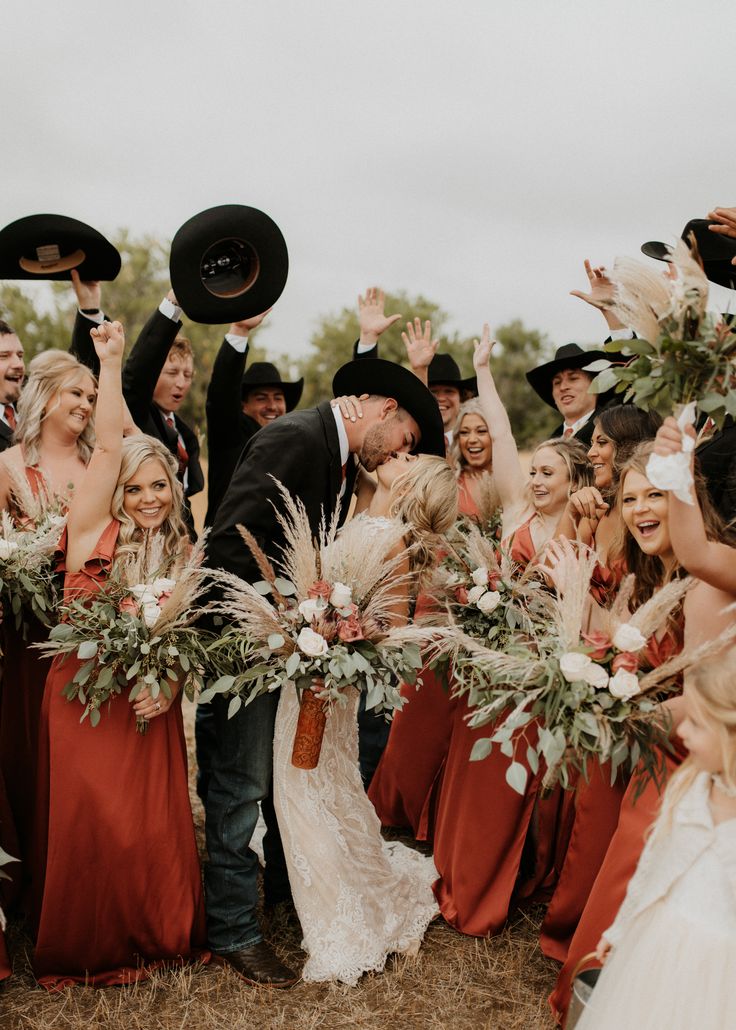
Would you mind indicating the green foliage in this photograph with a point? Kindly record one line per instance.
(521, 349)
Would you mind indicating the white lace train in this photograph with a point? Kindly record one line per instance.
(358, 897)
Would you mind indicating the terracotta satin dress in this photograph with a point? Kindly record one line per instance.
(597, 805)
(122, 890)
(23, 679)
(636, 815)
(492, 846)
(404, 782)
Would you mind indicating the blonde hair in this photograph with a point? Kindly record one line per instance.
(182, 347)
(471, 407)
(48, 374)
(424, 497)
(711, 688)
(174, 537)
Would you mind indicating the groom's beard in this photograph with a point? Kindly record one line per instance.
(377, 445)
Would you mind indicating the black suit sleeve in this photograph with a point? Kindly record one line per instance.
(278, 451)
(82, 347)
(145, 362)
(224, 396)
(372, 353)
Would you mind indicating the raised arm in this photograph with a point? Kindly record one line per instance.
(89, 314)
(508, 474)
(713, 562)
(373, 322)
(147, 359)
(89, 511)
(420, 347)
(224, 391)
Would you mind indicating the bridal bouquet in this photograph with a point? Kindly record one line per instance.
(589, 696)
(684, 354)
(322, 626)
(27, 584)
(137, 631)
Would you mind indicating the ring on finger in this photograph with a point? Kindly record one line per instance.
(158, 706)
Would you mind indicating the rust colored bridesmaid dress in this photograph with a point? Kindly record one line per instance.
(122, 889)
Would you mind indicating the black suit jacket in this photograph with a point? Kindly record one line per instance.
(584, 434)
(6, 436)
(228, 429)
(302, 451)
(717, 461)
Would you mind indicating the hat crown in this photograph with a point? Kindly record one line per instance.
(262, 372)
(444, 368)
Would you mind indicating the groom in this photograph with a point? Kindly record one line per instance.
(314, 453)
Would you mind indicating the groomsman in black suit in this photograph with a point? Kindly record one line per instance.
(314, 453)
(12, 374)
(156, 380)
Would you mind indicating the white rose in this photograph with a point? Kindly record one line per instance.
(311, 643)
(341, 596)
(480, 576)
(574, 666)
(628, 638)
(489, 601)
(309, 608)
(475, 593)
(150, 613)
(596, 676)
(7, 547)
(624, 685)
(143, 593)
(163, 586)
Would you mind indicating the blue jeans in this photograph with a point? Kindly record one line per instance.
(240, 777)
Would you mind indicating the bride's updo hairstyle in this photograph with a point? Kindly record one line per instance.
(425, 498)
(48, 374)
(136, 450)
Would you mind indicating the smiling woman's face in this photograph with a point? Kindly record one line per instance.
(550, 481)
(601, 454)
(645, 510)
(474, 442)
(147, 495)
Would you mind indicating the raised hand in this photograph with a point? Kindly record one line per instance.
(726, 219)
(88, 294)
(420, 347)
(371, 315)
(602, 293)
(669, 437)
(482, 349)
(246, 325)
(109, 341)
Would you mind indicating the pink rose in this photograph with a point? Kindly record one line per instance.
(321, 589)
(349, 629)
(461, 595)
(600, 643)
(129, 605)
(627, 660)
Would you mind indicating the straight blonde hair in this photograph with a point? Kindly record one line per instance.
(48, 374)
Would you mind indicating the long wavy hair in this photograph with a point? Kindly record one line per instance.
(649, 569)
(48, 374)
(172, 535)
(424, 497)
(626, 426)
(710, 690)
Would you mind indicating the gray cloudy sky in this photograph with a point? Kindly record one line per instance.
(472, 151)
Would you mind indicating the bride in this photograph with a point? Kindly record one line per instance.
(358, 897)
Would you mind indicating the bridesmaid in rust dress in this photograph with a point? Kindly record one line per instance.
(483, 827)
(54, 439)
(403, 784)
(661, 532)
(122, 888)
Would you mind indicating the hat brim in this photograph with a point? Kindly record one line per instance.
(387, 379)
(204, 230)
(715, 249)
(469, 385)
(540, 379)
(292, 391)
(77, 245)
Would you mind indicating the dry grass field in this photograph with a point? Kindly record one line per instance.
(459, 982)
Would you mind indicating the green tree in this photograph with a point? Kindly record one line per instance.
(520, 349)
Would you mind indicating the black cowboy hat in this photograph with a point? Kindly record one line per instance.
(263, 373)
(387, 379)
(228, 263)
(49, 246)
(716, 251)
(568, 356)
(444, 371)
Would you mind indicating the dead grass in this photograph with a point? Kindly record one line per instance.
(459, 982)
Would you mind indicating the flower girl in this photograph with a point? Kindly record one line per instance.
(669, 952)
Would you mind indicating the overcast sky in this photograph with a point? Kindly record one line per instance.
(475, 152)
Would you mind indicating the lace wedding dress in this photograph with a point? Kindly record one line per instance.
(358, 898)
